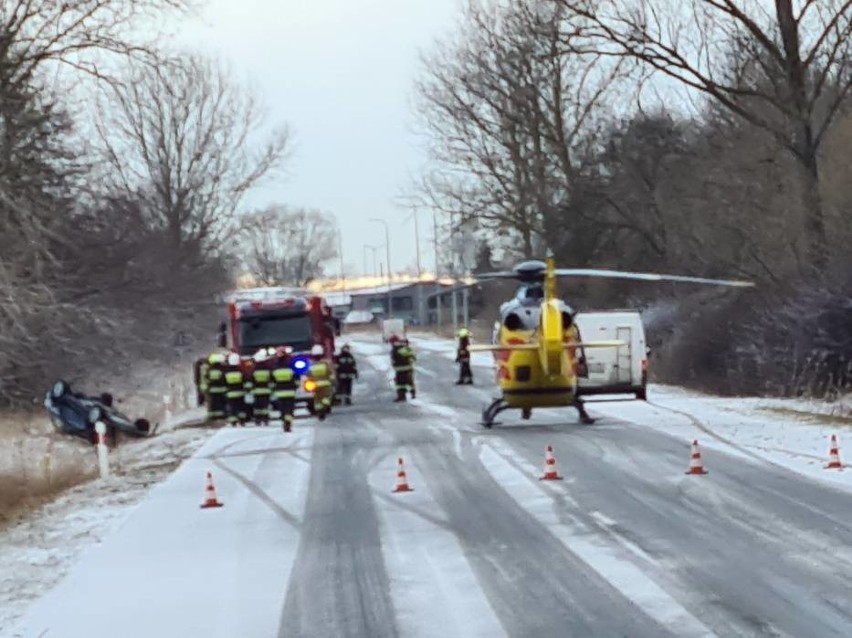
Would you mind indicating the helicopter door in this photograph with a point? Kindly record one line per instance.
(624, 363)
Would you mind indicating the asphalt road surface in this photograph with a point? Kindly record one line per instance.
(312, 541)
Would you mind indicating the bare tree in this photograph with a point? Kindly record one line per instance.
(507, 115)
(787, 71)
(184, 138)
(288, 245)
(81, 34)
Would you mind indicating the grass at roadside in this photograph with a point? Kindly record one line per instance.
(817, 418)
(37, 464)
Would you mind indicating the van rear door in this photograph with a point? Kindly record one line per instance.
(624, 355)
(616, 370)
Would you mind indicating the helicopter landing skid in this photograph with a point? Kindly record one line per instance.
(489, 413)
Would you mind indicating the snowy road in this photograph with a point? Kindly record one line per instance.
(311, 540)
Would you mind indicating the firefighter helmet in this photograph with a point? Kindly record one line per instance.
(345, 348)
(464, 332)
(233, 359)
(261, 355)
(317, 351)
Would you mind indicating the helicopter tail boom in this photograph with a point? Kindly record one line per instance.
(535, 345)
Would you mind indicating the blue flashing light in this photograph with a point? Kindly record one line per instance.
(299, 364)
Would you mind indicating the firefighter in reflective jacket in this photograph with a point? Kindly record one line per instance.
(284, 384)
(262, 386)
(247, 367)
(235, 390)
(214, 386)
(346, 370)
(320, 375)
(403, 358)
(463, 358)
(571, 334)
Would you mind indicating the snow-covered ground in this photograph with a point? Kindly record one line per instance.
(792, 433)
(37, 552)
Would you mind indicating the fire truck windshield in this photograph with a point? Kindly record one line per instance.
(275, 330)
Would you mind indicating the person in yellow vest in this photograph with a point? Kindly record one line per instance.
(261, 386)
(404, 367)
(247, 367)
(235, 390)
(463, 358)
(320, 375)
(215, 388)
(284, 383)
(571, 334)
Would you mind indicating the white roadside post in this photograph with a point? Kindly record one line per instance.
(103, 458)
(167, 414)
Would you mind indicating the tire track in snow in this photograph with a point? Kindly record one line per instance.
(532, 582)
(744, 551)
(339, 585)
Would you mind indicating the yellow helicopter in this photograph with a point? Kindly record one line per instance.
(537, 350)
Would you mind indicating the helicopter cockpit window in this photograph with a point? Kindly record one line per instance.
(531, 293)
(513, 322)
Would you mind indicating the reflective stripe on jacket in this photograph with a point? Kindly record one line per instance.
(234, 382)
(262, 380)
(283, 383)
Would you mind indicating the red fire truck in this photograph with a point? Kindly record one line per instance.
(295, 320)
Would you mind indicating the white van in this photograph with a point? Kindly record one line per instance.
(392, 327)
(616, 370)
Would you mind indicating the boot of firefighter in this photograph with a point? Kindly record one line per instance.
(400, 395)
(585, 418)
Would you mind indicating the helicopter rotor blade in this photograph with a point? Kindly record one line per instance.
(647, 276)
(503, 274)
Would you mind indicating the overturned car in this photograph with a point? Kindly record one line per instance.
(76, 414)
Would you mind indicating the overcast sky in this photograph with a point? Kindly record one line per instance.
(340, 73)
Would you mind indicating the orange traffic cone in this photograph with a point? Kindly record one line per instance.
(550, 472)
(695, 466)
(210, 499)
(834, 456)
(401, 480)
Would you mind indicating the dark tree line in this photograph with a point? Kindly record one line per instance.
(549, 128)
(112, 237)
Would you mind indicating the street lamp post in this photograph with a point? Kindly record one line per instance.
(375, 270)
(417, 245)
(340, 250)
(437, 270)
(387, 256)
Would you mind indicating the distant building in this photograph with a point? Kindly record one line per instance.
(415, 302)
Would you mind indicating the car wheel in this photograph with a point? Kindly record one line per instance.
(107, 399)
(143, 425)
(60, 389)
